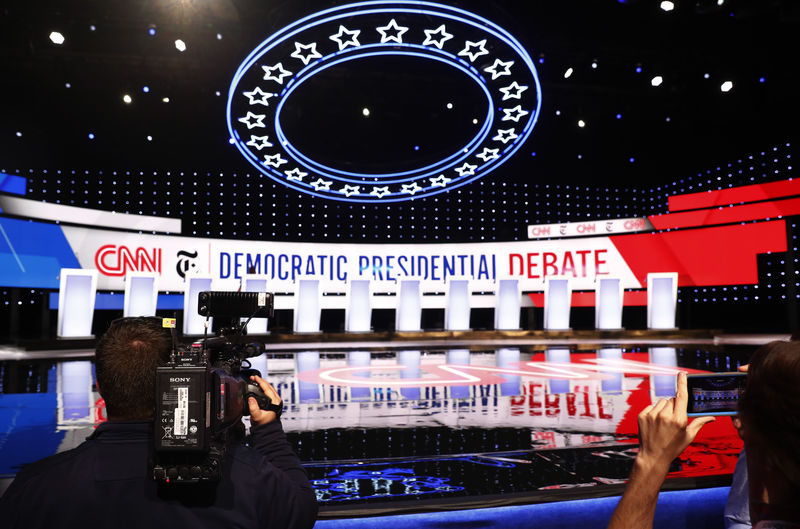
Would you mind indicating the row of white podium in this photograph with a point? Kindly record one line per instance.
(407, 297)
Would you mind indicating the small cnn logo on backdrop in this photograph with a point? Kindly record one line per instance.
(117, 260)
(587, 229)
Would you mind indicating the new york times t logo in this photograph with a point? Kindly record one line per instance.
(185, 262)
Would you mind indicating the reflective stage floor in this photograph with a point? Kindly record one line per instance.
(415, 428)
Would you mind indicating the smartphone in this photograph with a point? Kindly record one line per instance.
(714, 393)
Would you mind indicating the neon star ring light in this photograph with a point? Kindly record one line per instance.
(452, 37)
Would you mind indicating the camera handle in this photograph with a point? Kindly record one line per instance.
(255, 391)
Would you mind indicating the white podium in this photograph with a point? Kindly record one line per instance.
(457, 305)
(608, 299)
(255, 283)
(358, 313)
(408, 316)
(662, 300)
(141, 294)
(76, 296)
(193, 323)
(308, 309)
(508, 305)
(557, 303)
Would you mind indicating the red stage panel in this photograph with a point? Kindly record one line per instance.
(723, 255)
(727, 215)
(736, 195)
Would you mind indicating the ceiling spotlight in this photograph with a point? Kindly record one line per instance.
(56, 38)
(568, 73)
(180, 45)
(726, 86)
(365, 112)
(19, 134)
(720, 2)
(145, 89)
(666, 5)
(594, 65)
(558, 112)
(91, 135)
(92, 28)
(581, 123)
(149, 138)
(127, 99)
(151, 30)
(475, 121)
(449, 105)
(706, 75)
(67, 85)
(165, 100)
(657, 80)
(219, 36)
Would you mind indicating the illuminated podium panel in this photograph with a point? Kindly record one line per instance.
(76, 297)
(193, 323)
(457, 306)
(557, 302)
(255, 283)
(141, 294)
(308, 307)
(662, 300)
(608, 303)
(508, 305)
(358, 314)
(409, 306)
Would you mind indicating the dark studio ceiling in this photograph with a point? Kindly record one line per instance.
(53, 97)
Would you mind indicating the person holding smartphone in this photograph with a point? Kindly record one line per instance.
(769, 424)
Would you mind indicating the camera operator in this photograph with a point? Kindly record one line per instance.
(107, 480)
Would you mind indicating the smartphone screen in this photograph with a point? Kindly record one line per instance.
(714, 393)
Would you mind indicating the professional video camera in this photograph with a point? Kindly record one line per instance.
(202, 392)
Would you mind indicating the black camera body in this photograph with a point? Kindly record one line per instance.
(202, 392)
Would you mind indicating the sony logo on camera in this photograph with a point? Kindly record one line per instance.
(181, 379)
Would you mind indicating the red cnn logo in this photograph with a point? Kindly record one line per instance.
(113, 260)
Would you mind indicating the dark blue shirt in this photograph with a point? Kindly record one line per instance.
(106, 482)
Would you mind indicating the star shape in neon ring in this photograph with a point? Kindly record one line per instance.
(445, 36)
(493, 69)
(259, 142)
(481, 45)
(253, 120)
(397, 32)
(321, 185)
(439, 181)
(275, 160)
(411, 188)
(351, 41)
(466, 169)
(505, 135)
(306, 57)
(295, 174)
(513, 87)
(349, 190)
(489, 154)
(380, 192)
(258, 96)
(514, 113)
(282, 72)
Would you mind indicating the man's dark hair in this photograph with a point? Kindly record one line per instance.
(770, 408)
(125, 365)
